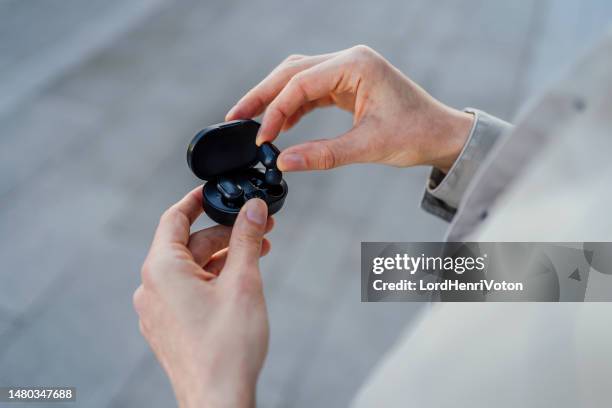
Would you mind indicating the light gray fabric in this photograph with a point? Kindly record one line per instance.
(538, 125)
(509, 159)
(444, 191)
(549, 180)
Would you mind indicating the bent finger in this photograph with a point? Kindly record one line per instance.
(309, 85)
(205, 243)
(175, 222)
(304, 110)
(258, 98)
(217, 262)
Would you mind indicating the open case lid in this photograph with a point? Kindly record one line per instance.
(223, 148)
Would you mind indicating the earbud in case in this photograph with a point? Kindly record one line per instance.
(225, 155)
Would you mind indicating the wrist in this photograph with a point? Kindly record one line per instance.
(216, 394)
(450, 134)
(214, 399)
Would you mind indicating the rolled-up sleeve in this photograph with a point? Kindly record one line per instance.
(444, 192)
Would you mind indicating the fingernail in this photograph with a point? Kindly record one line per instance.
(292, 161)
(259, 139)
(256, 211)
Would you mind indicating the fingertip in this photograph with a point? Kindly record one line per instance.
(175, 222)
(291, 161)
(256, 211)
(268, 130)
(261, 139)
(197, 194)
(232, 114)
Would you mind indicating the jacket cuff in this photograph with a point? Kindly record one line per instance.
(444, 192)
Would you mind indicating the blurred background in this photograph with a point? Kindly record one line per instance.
(98, 101)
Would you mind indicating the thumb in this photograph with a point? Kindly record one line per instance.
(247, 236)
(325, 154)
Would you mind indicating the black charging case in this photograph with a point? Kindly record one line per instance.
(227, 153)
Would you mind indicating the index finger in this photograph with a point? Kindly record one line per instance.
(175, 223)
(309, 85)
(256, 100)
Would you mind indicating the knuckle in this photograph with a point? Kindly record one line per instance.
(167, 216)
(296, 80)
(363, 51)
(299, 84)
(278, 111)
(169, 213)
(327, 158)
(289, 64)
(293, 58)
(363, 57)
(173, 216)
(248, 238)
(138, 300)
(147, 274)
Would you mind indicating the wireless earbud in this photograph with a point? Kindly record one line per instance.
(267, 155)
(231, 192)
(273, 176)
(225, 155)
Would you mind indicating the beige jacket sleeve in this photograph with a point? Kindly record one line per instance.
(443, 192)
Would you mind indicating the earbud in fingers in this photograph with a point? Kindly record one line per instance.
(267, 155)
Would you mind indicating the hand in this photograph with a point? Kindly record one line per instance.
(395, 122)
(201, 305)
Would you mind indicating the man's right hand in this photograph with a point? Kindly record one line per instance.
(395, 122)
